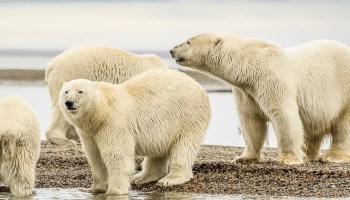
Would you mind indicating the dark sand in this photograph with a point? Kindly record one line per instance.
(66, 167)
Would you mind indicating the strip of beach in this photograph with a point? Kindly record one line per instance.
(214, 173)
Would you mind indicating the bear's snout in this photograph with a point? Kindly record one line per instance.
(172, 53)
(69, 105)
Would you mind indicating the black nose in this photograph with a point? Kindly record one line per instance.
(69, 104)
(171, 52)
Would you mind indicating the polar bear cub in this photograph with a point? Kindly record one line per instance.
(160, 114)
(93, 62)
(304, 91)
(19, 145)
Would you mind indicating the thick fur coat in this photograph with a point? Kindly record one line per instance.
(162, 115)
(19, 145)
(304, 91)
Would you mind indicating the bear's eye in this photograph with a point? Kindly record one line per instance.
(66, 92)
(187, 42)
(80, 92)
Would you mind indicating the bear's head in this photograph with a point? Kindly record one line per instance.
(77, 97)
(195, 51)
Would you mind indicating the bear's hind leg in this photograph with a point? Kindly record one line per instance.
(21, 173)
(153, 169)
(313, 146)
(340, 146)
(56, 134)
(181, 160)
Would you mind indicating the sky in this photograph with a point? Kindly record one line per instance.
(160, 25)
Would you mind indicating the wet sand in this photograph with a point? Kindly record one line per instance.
(214, 173)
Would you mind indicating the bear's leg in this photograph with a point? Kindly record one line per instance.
(290, 134)
(56, 134)
(117, 154)
(181, 159)
(340, 146)
(153, 169)
(98, 168)
(313, 146)
(253, 127)
(21, 173)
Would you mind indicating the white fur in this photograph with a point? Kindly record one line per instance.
(93, 62)
(160, 114)
(304, 91)
(19, 145)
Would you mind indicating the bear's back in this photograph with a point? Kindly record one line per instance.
(99, 63)
(161, 83)
(17, 118)
(167, 104)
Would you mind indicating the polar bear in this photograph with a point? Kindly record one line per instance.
(19, 145)
(160, 114)
(93, 62)
(304, 91)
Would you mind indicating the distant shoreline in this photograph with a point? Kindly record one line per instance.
(22, 75)
(55, 52)
(38, 76)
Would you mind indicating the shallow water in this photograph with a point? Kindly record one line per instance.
(223, 128)
(77, 194)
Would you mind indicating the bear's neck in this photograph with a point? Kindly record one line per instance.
(241, 69)
(93, 120)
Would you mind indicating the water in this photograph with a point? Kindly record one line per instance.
(223, 129)
(76, 194)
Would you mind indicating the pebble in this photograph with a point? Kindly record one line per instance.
(214, 173)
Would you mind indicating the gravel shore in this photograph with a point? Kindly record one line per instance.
(214, 173)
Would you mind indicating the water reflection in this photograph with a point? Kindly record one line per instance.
(77, 194)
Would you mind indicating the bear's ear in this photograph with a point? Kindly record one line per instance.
(218, 42)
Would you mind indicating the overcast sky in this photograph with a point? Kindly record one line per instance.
(159, 25)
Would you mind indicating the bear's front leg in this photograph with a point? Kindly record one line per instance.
(98, 168)
(253, 127)
(117, 154)
(290, 134)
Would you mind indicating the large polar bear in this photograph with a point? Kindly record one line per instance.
(160, 114)
(93, 62)
(19, 145)
(304, 91)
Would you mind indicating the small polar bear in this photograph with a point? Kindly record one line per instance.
(304, 91)
(162, 115)
(93, 62)
(19, 145)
